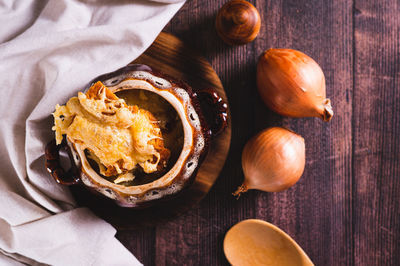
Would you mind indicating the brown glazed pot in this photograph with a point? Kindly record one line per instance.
(203, 114)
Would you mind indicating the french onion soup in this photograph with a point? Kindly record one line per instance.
(130, 138)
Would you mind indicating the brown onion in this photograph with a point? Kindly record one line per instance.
(292, 84)
(272, 161)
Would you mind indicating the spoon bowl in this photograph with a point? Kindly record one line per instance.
(256, 242)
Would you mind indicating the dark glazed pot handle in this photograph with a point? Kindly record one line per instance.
(214, 109)
(53, 165)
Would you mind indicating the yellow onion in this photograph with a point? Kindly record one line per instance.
(272, 161)
(292, 84)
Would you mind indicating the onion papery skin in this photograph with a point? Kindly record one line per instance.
(292, 84)
(273, 160)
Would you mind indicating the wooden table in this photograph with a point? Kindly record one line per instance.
(345, 210)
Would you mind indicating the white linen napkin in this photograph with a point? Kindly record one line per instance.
(49, 50)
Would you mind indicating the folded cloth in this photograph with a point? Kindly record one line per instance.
(49, 50)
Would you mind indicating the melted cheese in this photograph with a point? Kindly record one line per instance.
(118, 137)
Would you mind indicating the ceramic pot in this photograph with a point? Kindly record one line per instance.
(199, 115)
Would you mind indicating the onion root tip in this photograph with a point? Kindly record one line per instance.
(241, 189)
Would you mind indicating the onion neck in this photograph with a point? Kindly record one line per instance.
(327, 112)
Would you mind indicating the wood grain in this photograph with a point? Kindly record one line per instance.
(345, 209)
(238, 22)
(376, 129)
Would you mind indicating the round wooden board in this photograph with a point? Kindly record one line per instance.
(169, 55)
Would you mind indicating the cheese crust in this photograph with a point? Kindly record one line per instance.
(118, 137)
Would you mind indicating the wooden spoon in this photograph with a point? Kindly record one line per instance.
(256, 242)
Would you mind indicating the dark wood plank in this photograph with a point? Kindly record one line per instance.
(376, 130)
(316, 212)
(140, 242)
